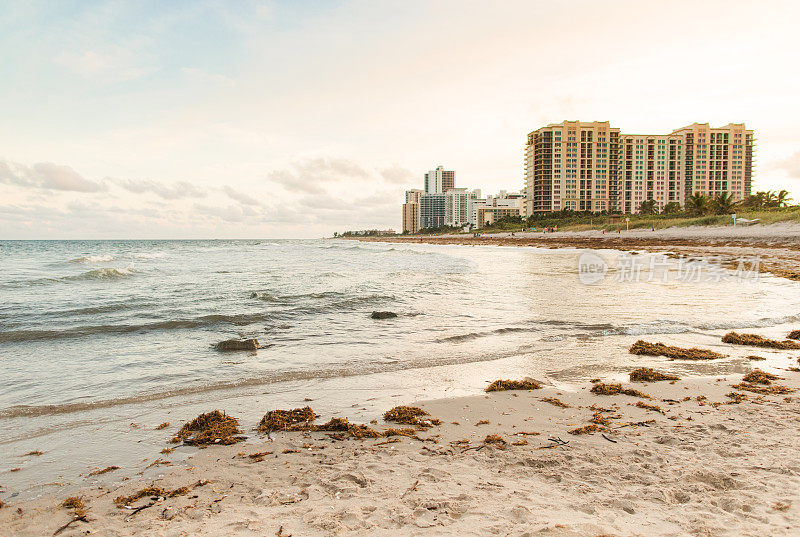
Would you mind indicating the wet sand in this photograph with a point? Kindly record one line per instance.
(777, 246)
(697, 463)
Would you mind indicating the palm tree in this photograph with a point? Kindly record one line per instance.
(672, 207)
(697, 204)
(723, 204)
(770, 199)
(782, 198)
(648, 207)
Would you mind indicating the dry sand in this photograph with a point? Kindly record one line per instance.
(704, 467)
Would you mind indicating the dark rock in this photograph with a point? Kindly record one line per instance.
(237, 345)
(383, 315)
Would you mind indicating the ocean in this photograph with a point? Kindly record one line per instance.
(106, 339)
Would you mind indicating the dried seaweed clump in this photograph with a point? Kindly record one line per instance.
(334, 424)
(399, 432)
(494, 439)
(503, 385)
(104, 470)
(356, 430)
(210, 428)
(756, 376)
(73, 502)
(753, 358)
(773, 389)
(736, 397)
(287, 420)
(794, 334)
(654, 408)
(162, 426)
(586, 429)
(675, 353)
(121, 501)
(555, 402)
(602, 388)
(645, 374)
(754, 340)
(410, 415)
(363, 431)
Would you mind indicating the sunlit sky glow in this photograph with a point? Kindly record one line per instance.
(297, 119)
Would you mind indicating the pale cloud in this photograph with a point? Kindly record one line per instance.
(307, 175)
(790, 164)
(241, 197)
(173, 191)
(47, 176)
(396, 174)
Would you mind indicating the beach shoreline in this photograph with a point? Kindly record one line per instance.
(687, 459)
(777, 246)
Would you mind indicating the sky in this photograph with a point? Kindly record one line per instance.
(259, 119)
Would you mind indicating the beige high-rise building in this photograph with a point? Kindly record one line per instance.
(411, 211)
(592, 167)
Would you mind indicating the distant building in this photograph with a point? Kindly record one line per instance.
(432, 210)
(503, 200)
(439, 181)
(489, 215)
(590, 166)
(456, 209)
(411, 211)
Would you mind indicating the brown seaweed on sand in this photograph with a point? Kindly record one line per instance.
(210, 428)
(794, 334)
(676, 353)
(121, 501)
(410, 415)
(645, 374)
(754, 340)
(736, 397)
(494, 439)
(602, 388)
(654, 408)
(104, 470)
(503, 385)
(162, 426)
(756, 376)
(754, 358)
(586, 429)
(73, 502)
(555, 402)
(774, 389)
(287, 420)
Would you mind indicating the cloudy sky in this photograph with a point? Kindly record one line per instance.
(298, 118)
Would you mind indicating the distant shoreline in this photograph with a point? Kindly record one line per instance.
(777, 245)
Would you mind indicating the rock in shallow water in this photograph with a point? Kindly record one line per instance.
(237, 345)
(383, 315)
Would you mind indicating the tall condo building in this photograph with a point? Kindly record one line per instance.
(432, 210)
(411, 211)
(456, 206)
(593, 167)
(439, 181)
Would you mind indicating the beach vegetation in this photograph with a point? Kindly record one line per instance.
(495, 439)
(210, 428)
(503, 385)
(410, 415)
(645, 374)
(602, 388)
(586, 429)
(555, 402)
(754, 340)
(298, 419)
(756, 376)
(675, 353)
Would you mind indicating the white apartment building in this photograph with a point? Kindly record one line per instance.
(457, 206)
(439, 181)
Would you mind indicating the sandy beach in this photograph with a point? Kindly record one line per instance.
(777, 246)
(698, 456)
